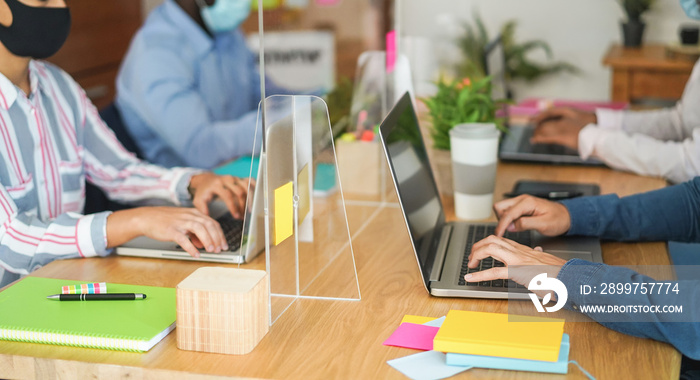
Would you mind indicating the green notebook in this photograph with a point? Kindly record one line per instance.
(26, 315)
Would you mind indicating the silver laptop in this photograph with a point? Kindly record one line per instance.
(244, 243)
(516, 145)
(442, 248)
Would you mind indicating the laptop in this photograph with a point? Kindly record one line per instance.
(442, 248)
(243, 244)
(516, 146)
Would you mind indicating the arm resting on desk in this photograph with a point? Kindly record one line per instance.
(676, 161)
(671, 213)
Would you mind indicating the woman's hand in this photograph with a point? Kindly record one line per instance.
(231, 190)
(188, 227)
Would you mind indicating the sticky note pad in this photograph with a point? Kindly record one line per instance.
(411, 335)
(416, 319)
(531, 338)
(390, 51)
(304, 192)
(493, 362)
(324, 181)
(435, 322)
(284, 212)
(429, 365)
(90, 288)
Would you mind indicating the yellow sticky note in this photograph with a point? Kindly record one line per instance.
(284, 212)
(416, 319)
(304, 194)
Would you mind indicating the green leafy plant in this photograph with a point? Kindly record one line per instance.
(339, 101)
(461, 101)
(635, 8)
(518, 66)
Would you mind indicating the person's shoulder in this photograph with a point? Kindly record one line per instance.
(159, 31)
(59, 84)
(48, 70)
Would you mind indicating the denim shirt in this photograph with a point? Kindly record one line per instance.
(188, 98)
(671, 213)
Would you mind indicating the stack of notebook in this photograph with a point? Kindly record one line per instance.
(492, 340)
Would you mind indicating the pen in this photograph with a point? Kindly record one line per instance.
(98, 297)
(551, 195)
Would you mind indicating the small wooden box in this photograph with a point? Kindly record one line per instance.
(359, 164)
(222, 310)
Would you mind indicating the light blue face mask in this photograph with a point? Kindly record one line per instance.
(224, 15)
(691, 8)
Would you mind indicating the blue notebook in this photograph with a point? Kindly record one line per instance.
(240, 167)
(493, 362)
(324, 182)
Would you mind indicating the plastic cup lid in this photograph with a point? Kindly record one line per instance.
(475, 131)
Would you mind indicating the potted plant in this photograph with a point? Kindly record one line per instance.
(475, 38)
(633, 29)
(457, 102)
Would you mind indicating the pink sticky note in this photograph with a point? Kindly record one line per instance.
(411, 335)
(390, 51)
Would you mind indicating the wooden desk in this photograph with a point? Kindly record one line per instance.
(646, 72)
(337, 340)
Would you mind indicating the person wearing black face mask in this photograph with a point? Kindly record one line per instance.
(52, 140)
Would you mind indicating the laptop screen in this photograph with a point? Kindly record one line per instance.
(415, 185)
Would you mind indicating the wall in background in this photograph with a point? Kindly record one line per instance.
(579, 32)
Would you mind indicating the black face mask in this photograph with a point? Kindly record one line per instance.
(36, 32)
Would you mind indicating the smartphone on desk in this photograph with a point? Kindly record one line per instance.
(553, 190)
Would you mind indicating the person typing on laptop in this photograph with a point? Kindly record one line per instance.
(663, 143)
(52, 139)
(671, 213)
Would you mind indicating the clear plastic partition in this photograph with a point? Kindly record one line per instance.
(315, 47)
(308, 243)
(376, 86)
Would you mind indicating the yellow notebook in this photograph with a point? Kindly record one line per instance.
(491, 334)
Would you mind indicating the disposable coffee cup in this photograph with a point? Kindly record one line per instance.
(474, 151)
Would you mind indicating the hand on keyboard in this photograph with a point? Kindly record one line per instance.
(561, 126)
(528, 262)
(526, 212)
(231, 190)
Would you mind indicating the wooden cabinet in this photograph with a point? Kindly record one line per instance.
(99, 38)
(646, 73)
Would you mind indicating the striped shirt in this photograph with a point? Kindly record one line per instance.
(50, 143)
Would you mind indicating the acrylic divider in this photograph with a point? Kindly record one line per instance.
(308, 246)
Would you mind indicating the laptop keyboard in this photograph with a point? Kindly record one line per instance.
(478, 232)
(233, 229)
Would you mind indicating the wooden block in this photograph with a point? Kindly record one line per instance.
(222, 310)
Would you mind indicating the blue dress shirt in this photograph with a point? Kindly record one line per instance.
(187, 98)
(671, 213)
